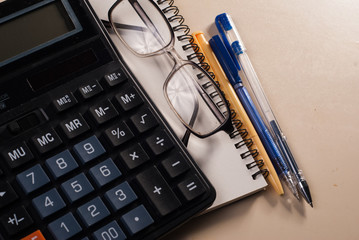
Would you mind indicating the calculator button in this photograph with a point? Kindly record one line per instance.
(32, 179)
(128, 98)
(134, 156)
(48, 203)
(64, 227)
(158, 191)
(144, 120)
(61, 164)
(111, 231)
(104, 172)
(17, 155)
(77, 187)
(89, 149)
(7, 194)
(90, 90)
(16, 220)
(37, 235)
(137, 219)
(64, 102)
(175, 165)
(74, 126)
(115, 78)
(159, 142)
(118, 134)
(92, 212)
(120, 196)
(191, 188)
(103, 112)
(46, 141)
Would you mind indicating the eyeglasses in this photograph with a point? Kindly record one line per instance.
(189, 90)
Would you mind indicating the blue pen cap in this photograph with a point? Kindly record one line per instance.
(224, 26)
(224, 58)
(224, 21)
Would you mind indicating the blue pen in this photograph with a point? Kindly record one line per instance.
(231, 72)
(237, 50)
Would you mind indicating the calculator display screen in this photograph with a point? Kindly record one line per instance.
(36, 27)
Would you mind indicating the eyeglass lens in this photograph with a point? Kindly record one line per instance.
(196, 100)
(147, 31)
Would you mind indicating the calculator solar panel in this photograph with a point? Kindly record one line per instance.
(84, 153)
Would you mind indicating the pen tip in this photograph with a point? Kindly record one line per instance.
(311, 204)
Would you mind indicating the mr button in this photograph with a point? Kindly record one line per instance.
(74, 126)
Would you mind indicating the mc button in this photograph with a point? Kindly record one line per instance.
(46, 141)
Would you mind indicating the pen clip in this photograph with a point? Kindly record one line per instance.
(225, 59)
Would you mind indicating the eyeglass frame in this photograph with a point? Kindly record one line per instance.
(171, 51)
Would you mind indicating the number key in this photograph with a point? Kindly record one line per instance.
(48, 203)
(89, 149)
(111, 232)
(104, 172)
(120, 196)
(77, 187)
(93, 211)
(61, 164)
(64, 227)
(32, 179)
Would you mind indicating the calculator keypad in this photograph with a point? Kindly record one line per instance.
(102, 166)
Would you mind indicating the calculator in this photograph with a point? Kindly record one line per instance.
(84, 152)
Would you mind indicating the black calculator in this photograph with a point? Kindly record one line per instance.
(84, 153)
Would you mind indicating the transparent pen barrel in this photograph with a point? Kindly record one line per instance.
(255, 88)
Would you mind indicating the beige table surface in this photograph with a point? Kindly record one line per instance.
(306, 54)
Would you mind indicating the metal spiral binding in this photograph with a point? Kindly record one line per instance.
(197, 55)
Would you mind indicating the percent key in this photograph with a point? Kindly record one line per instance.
(118, 134)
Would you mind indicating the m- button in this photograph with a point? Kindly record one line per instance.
(103, 112)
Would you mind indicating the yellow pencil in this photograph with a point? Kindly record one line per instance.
(236, 105)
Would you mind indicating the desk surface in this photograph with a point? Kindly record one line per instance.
(306, 54)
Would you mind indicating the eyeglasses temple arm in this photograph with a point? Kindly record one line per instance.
(107, 24)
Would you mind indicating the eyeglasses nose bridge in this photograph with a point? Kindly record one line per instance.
(176, 57)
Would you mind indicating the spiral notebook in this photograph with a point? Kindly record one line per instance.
(227, 163)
